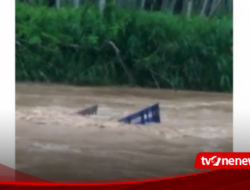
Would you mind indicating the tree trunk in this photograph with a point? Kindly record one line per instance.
(142, 4)
(25, 1)
(164, 5)
(51, 3)
(75, 3)
(172, 5)
(58, 4)
(215, 5)
(185, 6)
(178, 6)
(101, 4)
(230, 5)
(204, 8)
(189, 8)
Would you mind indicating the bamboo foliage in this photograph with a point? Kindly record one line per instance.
(67, 46)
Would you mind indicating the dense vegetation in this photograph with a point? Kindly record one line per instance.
(159, 49)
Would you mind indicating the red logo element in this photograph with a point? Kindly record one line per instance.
(216, 160)
(215, 179)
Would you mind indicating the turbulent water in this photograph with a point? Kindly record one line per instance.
(198, 120)
(205, 115)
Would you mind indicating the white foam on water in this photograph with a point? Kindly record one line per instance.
(176, 120)
(54, 147)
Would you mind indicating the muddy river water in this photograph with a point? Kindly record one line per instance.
(53, 142)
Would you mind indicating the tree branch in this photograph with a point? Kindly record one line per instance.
(125, 68)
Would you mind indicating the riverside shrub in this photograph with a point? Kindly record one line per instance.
(159, 49)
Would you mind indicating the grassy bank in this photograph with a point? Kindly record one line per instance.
(68, 46)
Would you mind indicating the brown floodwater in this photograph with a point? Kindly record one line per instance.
(54, 142)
